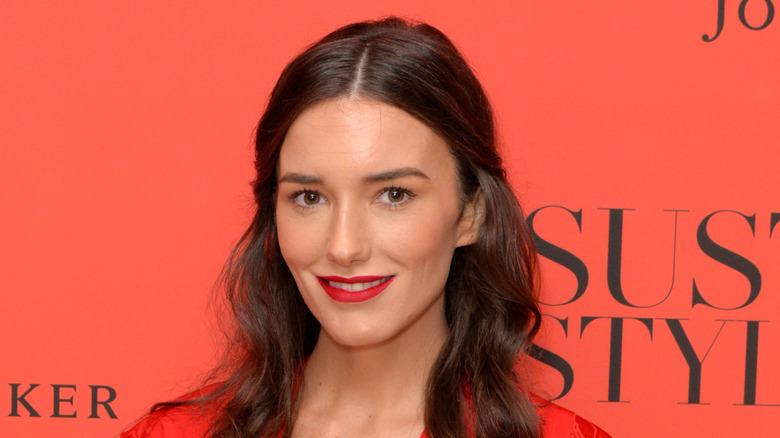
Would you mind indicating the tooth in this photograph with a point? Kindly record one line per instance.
(356, 287)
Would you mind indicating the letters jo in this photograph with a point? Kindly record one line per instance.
(770, 14)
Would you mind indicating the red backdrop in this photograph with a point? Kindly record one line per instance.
(649, 156)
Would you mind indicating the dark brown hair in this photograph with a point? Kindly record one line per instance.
(490, 306)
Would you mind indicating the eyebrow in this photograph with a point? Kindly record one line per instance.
(396, 173)
(382, 176)
(300, 178)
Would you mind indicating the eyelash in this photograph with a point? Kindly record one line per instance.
(294, 198)
(408, 194)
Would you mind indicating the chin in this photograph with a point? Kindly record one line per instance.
(357, 337)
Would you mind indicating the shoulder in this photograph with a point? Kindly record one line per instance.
(177, 422)
(184, 421)
(559, 422)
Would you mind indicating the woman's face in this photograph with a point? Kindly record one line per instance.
(368, 215)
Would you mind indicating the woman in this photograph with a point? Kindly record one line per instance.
(385, 285)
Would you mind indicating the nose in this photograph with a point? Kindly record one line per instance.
(348, 242)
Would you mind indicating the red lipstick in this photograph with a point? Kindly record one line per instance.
(354, 289)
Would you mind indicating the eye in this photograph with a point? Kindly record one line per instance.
(395, 196)
(307, 198)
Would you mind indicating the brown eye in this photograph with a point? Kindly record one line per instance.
(311, 198)
(307, 198)
(395, 195)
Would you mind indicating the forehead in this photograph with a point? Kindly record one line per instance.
(360, 135)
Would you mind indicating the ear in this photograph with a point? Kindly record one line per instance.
(471, 220)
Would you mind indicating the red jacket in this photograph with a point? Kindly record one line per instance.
(187, 422)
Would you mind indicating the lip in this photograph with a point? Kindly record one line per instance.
(347, 296)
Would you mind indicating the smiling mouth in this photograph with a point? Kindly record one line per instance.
(357, 287)
(354, 289)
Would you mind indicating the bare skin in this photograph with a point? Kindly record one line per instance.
(375, 391)
(367, 374)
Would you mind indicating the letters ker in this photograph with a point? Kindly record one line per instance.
(101, 397)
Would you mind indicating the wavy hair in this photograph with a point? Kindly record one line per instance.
(490, 305)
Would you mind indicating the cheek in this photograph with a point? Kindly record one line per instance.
(426, 239)
(297, 242)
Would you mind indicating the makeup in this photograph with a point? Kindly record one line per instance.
(354, 289)
(370, 193)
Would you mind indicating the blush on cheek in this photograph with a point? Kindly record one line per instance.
(297, 241)
(424, 246)
(427, 232)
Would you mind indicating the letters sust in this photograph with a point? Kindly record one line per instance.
(648, 318)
